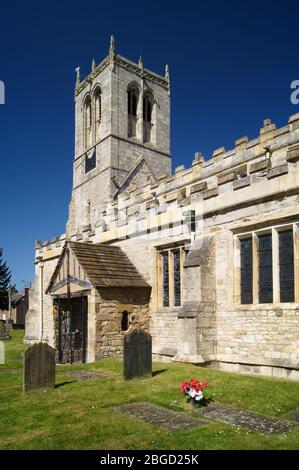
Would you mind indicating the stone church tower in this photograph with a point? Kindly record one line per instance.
(122, 114)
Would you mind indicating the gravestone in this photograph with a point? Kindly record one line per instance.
(39, 367)
(2, 352)
(3, 334)
(137, 355)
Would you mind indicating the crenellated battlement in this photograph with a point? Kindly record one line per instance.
(255, 168)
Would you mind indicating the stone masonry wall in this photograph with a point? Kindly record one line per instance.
(164, 331)
(266, 339)
(114, 301)
(260, 339)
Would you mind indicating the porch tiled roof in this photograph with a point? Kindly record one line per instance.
(106, 265)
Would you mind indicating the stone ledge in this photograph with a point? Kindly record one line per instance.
(171, 197)
(209, 193)
(198, 187)
(256, 361)
(133, 211)
(167, 352)
(228, 177)
(277, 171)
(188, 310)
(218, 152)
(151, 204)
(241, 141)
(192, 359)
(161, 209)
(242, 183)
(263, 165)
(293, 154)
(184, 202)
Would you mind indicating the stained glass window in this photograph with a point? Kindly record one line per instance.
(177, 277)
(286, 266)
(165, 277)
(246, 270)
(265, 269)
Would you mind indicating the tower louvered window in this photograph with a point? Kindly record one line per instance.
(148, 102)
(87, 123)
(133, 96)
(98, 106)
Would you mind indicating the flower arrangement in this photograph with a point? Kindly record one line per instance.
(194, 391)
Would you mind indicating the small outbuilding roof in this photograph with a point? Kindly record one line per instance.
(16, 297)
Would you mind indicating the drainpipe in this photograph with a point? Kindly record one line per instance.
(41, 301)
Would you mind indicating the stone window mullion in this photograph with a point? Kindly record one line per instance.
(182, 254)
(139, 124)
(237, 271)
(296, 260)
(171, 278)
(275, 263)
(255, 268)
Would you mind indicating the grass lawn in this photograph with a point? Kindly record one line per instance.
(80, 414)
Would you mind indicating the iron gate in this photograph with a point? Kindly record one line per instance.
(71, 330)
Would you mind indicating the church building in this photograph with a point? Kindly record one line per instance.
(205, 259)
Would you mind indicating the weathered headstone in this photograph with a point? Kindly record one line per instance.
(3, 333)
(39, 367)
(5, 329)
(137, 355)
(2, 330)
(2, 352)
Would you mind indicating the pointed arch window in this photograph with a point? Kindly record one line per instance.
(87, 123)
(97, 109)
(148, 104)
(133, 98)
(98, 106)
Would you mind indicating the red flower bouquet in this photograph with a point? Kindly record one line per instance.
(194, 391)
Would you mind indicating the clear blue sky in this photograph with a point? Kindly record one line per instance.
(231, 65)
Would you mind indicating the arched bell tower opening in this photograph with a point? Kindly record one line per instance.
(133, 99)
(148, 117)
